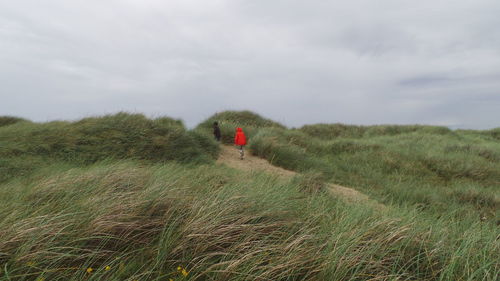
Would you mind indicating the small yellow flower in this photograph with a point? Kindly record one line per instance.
(89, 270)
(41, 279)
(184, 272)
(107, 267)
(170, 279)
(179, 268)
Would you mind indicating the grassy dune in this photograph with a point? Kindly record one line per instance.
(441, 172)
(230, 120)
(24, 146)
(123, 197)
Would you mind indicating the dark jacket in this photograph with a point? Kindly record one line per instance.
(217, 132)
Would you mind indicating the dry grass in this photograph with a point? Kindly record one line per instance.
(141, 221)
(217, 224)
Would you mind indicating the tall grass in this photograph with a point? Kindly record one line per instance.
(9, 120)
(124, 197)
(218, 224)
(428, 170)
(230, 120)
(329, 131)
(120, 136)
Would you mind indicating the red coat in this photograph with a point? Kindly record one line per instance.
(240, 138)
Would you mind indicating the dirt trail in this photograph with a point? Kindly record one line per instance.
(229, 156)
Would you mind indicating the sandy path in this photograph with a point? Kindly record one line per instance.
(229, 156)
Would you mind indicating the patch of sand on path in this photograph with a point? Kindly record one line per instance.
(230, 156)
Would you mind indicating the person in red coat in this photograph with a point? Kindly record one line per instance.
(240, 140)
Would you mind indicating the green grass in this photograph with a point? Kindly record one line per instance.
(230, 120)
(9, 120)
(145, 221)
(24, 145)
(428, 170)
(144, 197)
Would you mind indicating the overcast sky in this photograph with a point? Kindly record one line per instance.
(297, 62)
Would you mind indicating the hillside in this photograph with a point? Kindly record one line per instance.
(124, 197)
(25, 145)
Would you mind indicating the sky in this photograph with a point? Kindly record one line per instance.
(361, 62)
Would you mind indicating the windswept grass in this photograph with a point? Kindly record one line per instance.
(432, 171)
(124, 197)
(331, 131)
(9, 120)
(143, 222)
(230, 120)
(121, 136)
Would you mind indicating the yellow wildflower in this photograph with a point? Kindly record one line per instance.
(89, 270)
(184, 272)
(179, 268)
(107, 267)
(170, 279)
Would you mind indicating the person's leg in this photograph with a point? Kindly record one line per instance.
(242, 152)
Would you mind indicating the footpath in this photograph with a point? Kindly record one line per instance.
(229, 156)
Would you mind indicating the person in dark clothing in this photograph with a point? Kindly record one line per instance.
(217, 134)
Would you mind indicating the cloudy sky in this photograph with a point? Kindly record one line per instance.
(297, 62)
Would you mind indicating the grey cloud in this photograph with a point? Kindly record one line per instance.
(298, 62)
(429, 80)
